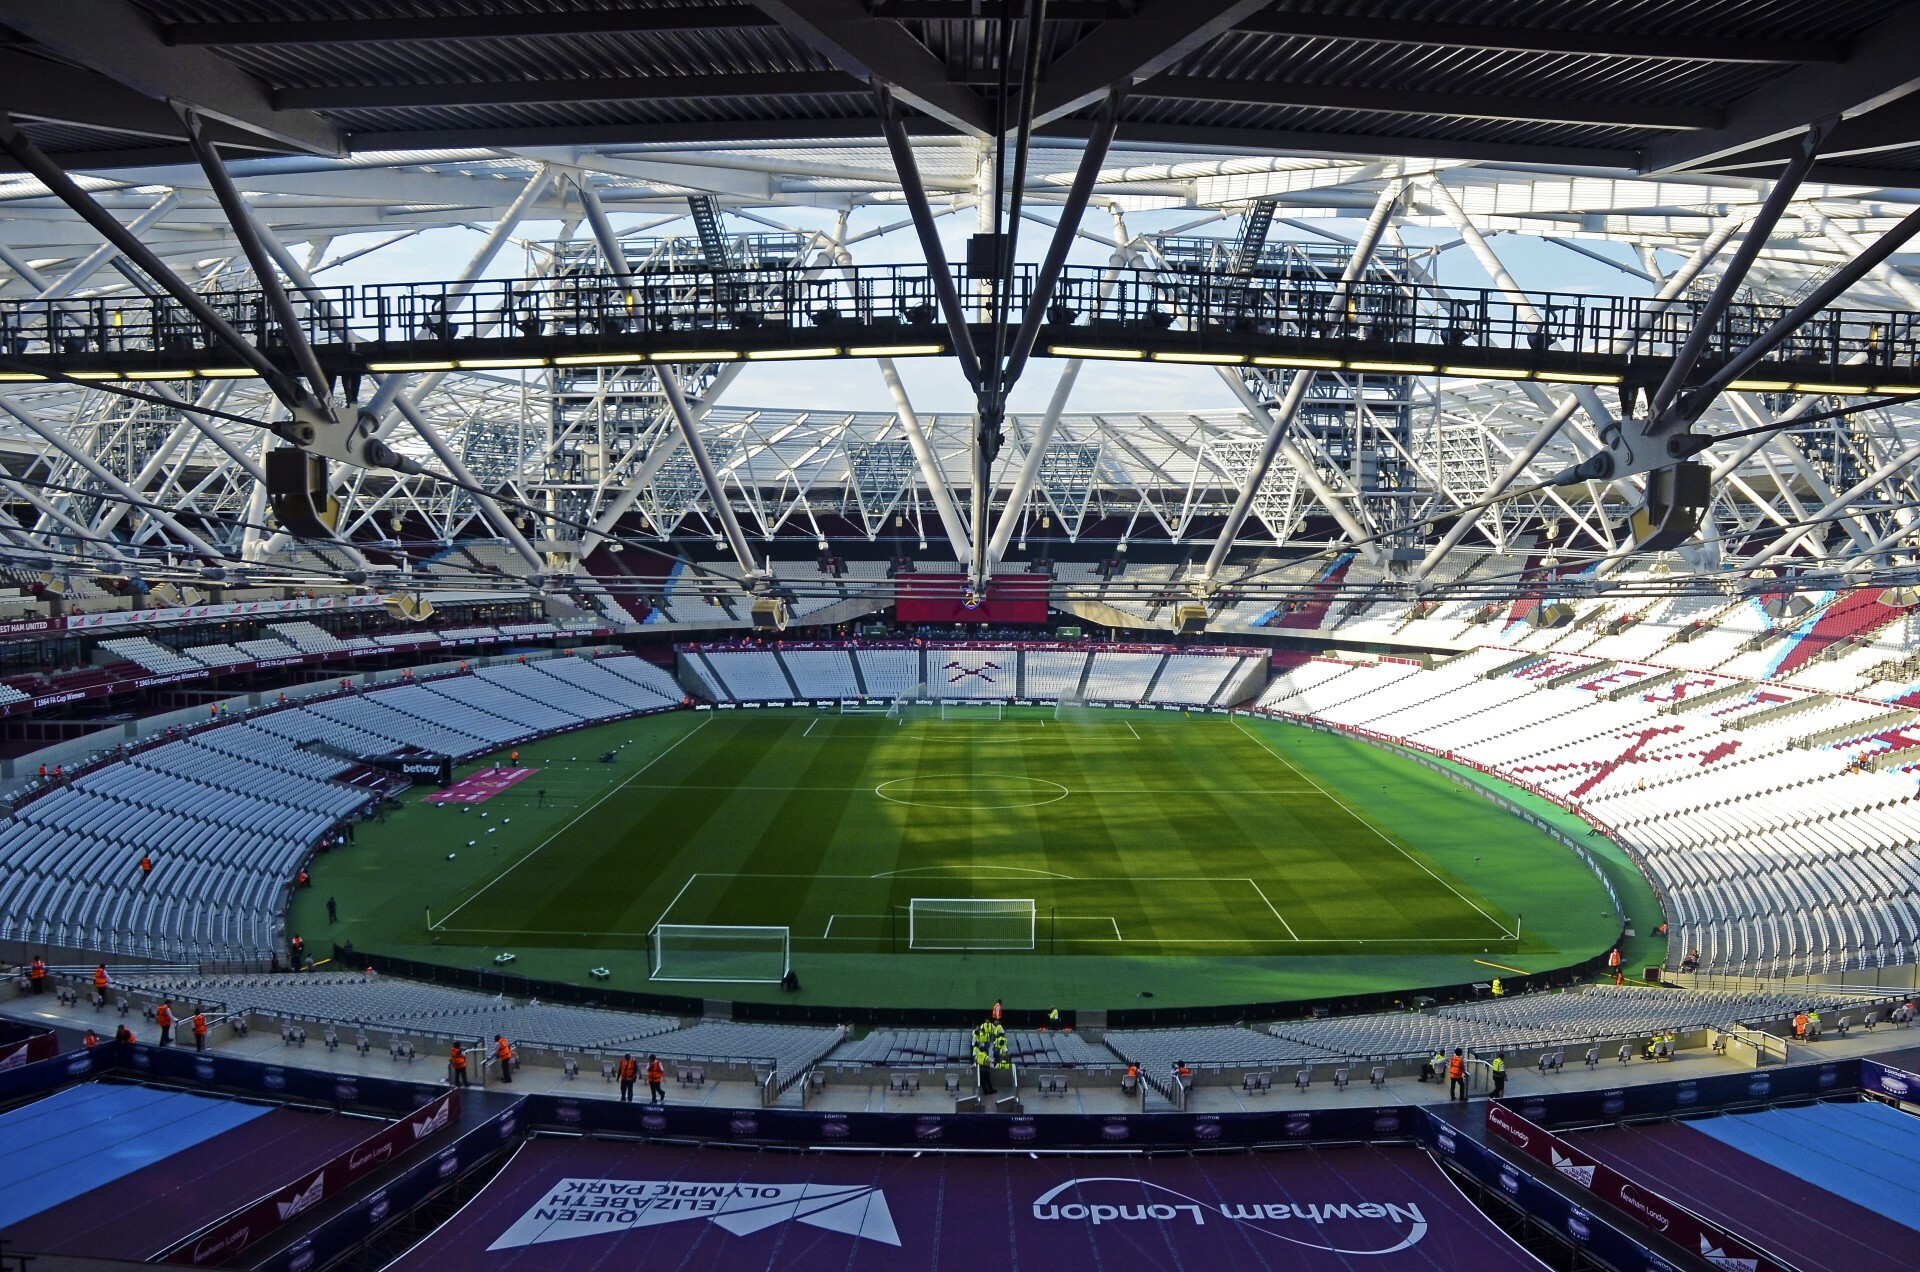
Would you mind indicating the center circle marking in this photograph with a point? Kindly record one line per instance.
(1016, 791)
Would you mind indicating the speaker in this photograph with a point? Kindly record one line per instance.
(985, 253)
(1189, 618)
(1676, 500)
(770, 613)
(298, 489)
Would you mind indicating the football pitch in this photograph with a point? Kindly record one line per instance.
(904, 860)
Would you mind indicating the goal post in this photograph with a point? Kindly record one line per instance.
(718, 952)
(971, 923)
(914, 704)
(1071, 708)
(961, 709)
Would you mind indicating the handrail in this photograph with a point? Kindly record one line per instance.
(792, 305)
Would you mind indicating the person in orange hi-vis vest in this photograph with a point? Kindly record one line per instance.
(146, 867)
(100, 981)
(656, 1079)
(457, 1061)
(628, 1071)
(199, 1031)
(163, 1017)
(503, 1051)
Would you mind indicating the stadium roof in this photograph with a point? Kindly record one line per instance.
(1640, 142)
(1632, 85)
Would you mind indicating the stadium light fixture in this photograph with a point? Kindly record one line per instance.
(897, 351)
(599, 359)
(1810, 386)
(19, 377)
(1395, 368)
(159, 375)
(499, 364)
(1762, 386)
(695, 355)
(1487, 373)
(1577, 377)
(385, 368)
(1204, 359)
(1304, 364)
(1079, 351)
(97, 375)
(226, 373)
(788, 355)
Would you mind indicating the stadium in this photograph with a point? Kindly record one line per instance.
(1282, 632)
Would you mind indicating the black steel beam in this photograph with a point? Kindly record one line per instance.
(1659, 418)
(1395, 101)
(1063, 235)
(248, 235)
(915, 193)
(1690, 47)
(634, 20)
(1159, 34)
(32, 159)
(537, 92)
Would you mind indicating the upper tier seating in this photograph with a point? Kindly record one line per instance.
(1771, 853)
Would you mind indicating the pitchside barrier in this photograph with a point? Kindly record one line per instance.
(1496, 1180)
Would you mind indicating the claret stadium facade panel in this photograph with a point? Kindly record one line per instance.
(979, 580)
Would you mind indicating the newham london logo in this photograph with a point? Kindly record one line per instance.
(596, 1207)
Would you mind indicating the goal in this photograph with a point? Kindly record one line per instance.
(950, 710)
(720, 953)
(914, 704)
(1071, 708)
(970, 923)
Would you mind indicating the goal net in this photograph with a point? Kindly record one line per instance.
(969, 923)
(914, 704)
(1071, 708)
(719, 952)
(973, 710)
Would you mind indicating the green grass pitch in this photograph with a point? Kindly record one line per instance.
(1182, 858)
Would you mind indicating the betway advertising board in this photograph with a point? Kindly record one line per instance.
(581, 1204)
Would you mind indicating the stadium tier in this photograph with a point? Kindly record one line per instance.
(1754, 805)
(228, 814)
(979, 672)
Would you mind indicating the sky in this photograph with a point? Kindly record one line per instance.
(935, 385)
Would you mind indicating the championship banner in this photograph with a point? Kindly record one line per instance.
(1713, 1244)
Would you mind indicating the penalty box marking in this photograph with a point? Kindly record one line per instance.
(1384, 838)
(1129, 879)
(828, 935)
(571, 821)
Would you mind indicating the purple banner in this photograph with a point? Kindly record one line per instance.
(221, 1241)
(1642, 1204)
(565, 1204)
